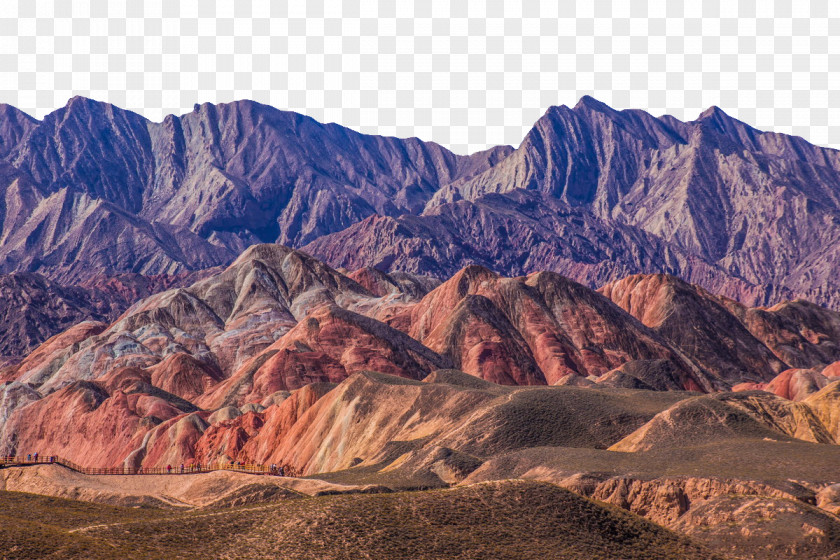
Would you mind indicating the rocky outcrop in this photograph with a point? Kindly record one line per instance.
(665, 500)
(698, 324)
(743, 518)
(761, 527)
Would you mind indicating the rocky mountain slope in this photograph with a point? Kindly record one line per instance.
(34, 308)
(723, 334)
(592, 193)
(95, 188)
(746, 214)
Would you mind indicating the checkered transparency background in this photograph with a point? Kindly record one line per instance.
(465, 74)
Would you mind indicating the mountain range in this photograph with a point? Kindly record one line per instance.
(592, 193)
(637, 309)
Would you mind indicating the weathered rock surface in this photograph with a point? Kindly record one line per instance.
(218, 369)
(698, 324)
(33, 308)
(515, 233)
(96, 189)
(745, 214)
(535, 330)
(829, 499)
(742, 518)
(826, 406)
(592, 193)
(800, 333)
(701, 420)
(391, 423)
(762, 527)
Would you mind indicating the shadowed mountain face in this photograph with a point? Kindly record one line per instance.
(94, 187)
(750, 215)
(33, 308)
(592, 193)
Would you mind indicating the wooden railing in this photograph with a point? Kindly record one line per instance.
(192, 468)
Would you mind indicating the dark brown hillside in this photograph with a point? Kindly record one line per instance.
(484, 521)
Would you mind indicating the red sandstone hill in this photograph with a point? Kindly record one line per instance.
(650, 394)
(227, 366)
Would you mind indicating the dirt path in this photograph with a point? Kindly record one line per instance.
(167, 491)
(200, 516)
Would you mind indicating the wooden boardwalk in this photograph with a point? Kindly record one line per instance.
(192, 468)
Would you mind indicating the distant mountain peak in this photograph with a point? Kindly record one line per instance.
(724, 122)
(713, 112)
(589, 102)
(81, 102)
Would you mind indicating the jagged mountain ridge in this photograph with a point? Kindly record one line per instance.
(593, 193)
(747, 214)
(95, 186)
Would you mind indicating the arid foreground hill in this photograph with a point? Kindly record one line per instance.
(707, 417)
